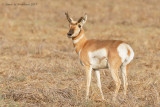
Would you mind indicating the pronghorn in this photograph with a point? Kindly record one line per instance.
(100, 54)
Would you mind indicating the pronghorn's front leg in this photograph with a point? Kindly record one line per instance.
(88, 78)
(99, 82)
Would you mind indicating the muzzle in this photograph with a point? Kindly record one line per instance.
(69, 34)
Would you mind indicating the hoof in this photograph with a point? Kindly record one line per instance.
(114, 99)
(87, 98)
(124, 93)
(103, 98)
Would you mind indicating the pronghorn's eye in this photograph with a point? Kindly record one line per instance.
(79, 26)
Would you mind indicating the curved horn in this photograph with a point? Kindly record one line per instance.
(68, 17)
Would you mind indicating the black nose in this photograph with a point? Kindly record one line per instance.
(69, 34)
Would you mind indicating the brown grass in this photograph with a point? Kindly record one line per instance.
(38, 64)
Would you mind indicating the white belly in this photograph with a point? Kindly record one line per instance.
(98, 59)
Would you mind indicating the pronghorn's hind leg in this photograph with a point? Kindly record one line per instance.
(88, 78)
(114, 65)
(124, 69)
(115, 76)
(99, 82)
(125, 64)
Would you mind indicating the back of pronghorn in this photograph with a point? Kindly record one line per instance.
(100, 54)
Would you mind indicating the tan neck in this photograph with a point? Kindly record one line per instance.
(79, 41)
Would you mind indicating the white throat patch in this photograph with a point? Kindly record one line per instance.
(77, 40)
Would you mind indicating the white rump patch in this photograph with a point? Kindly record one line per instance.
(98, 58)
(123, 52)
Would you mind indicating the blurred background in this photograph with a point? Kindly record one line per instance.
(39, 66)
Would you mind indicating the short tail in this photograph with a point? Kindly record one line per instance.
(130, 55)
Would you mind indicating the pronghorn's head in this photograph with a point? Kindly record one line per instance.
(75, 26)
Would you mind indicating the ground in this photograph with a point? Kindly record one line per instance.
(38, 63)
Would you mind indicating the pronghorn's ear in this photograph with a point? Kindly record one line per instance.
(83, 19)
(70, 20)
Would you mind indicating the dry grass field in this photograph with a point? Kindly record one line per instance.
(40, 68)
